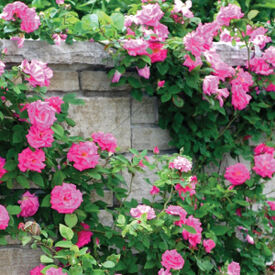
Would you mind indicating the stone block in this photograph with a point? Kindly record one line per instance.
(104, 114)
(145, 111)
(18, 260)
(108, 197)
(105, 218)
(148, 137)
(98, 81)
(64, 81)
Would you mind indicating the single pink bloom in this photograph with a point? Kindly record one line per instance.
(4, 218)
(2, 67)
(97, 241)
(5, 51)
(210, 84)
(208, 245)
(59, 2)
(192, 64)
(225, 36)
(262, 149)
(55, 102)
(65, 199)
(84, 155)
(269, 55)
(159, 53)
(194, 43)
(150, 14)
(182, 164)
(183, 8)
(156, 150)
(58, 38)
(193, 239)
(30, 20)
(37, 270)
(176, 210)
(144, 72)
(16, 8)
(270, 88)
(227, 13)
(171, 259)
(249, 239)
(237, 174)
(40, 138)
(233, 269)
(20, 41)
(240, 98)
(259, 66)
(272, 205)
(55, 271)
(142, 209)
(41, 114)
(239, 212)
(3, 171)
(140, 164)
(106, 141)
(116, 77)
(39, 73)
(155, 190)
(261, 40)
(161, 31)
(31, 161)
(161, 83)
(164, 272)
(29, 205)
(243, 79)
(264, 165)
(84, 236)
(136, 47)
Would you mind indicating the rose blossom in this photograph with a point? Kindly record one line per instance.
(2, 170)
(233, 269)
(164, 272)
(264, 165)
(150, 14)
(249, 239)
(227, 13)
(84, 236)
(243, 79)
(65, 199)
(116, 77)
(106, 141)
(136, 46)
(20, 41)
(37, 270)
(144, 72)
(194, 43)
(158, 54)
(192, 64)
(2, 67)
(4, 218)
(193, 239)
(29, 205)
(40, 138)
(262, 149)
(155, 190)
(237, 174)
(269, 55)
(176, 210)
(181, 163)
(39, 73)
(59, 2)
(259, 66)
(240, 98)
(84, 155)
(272, 205)
(55, 102)
(270, 88)
(161, 31)
(190, 187)
(142, 209)
(32, 161)
(208, 245)
(161, 83)
(183, 8)
(55, 271)
(171, 259)
(58, 38)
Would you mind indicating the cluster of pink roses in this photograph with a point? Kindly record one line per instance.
(51, 271)
(30, 21)
(189, 187)
(182, 164)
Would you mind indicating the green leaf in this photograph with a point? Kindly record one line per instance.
(46, 202)
(66, 232)
(26, 240)
(58, 178)
(45, 259)
(252, 14)
(71, 98)
(118, 21)
(10, 165)
(23, 181)
(90, 22)
(58, 130)
(71, 220)
(220, 230)
(38, 180)
(189, 229)
(13, 209)
(205, 265)
(121, 219)
(64, 244)
(108, 264)
(94, 174)
(178, 101)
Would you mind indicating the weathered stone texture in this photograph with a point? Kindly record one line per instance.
(104, 114)
(107, 198)
(18, 260)
(64, 81)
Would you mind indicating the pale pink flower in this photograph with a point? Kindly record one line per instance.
(210, 84)
(225, 36)
(183, 8)
(116, 77)
(182, 164)
(29, 205)
(142, 209)
(253, 33)
(269, 55)
(31, 161)
(161, 31)
(37, 270)
(55, 271)
(4, 218)
(240, 98)
(39, 73)
(30, 20)
(58, 38)
(194, 43)
(84, 236)
(190, 63)
(158, 54)
(59, 2)
(262, 149)
(190, 187)
(40, 138)
(237, 174)
(208, 245)
(65, 199)
(243, 79)
(249, 239)
(150, 14)
(55, 102)
(261, 41)
(259, 66)
(171, 259)
(272, 205)
(5, 51)
(106, 141)
(144, 72)
(16, 8)
(156, 150)
(84, 155)
(136, 46)
(155, 190)
(164, 272)
(129, 20)
(176, 210)
(3, 171)
(227, 13)
(20, 41)
(264, 165)
(41, 114)
(193, 239)
(233, 269)
(2, 67)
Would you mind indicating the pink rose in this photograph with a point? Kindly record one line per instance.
(105, 141)
(116, 77)
(29, 205)
(32, 161)
(269, 55)
(270, 88)
(192, 64)
(58, 38)
(40, 138)
(65, 199)
(176, 210)
(84, 155)
(240, 98)
(16, 8)
(194, 43)
(208, 245)
(55, 102)
(156, 150)
(4, 218)
(164, 272)
(55, 271)
(249, 239)
(155, 190)
(210, 84)
(2, 67)
(183, 8)
(39, 73)
(237, 174)
(142, 209)
(262, 149)
(161, 83)
(272, 205)
(159, 53)
(182, 164)
(193, 239)
(144, 72)
(37, 270)
(189, 187)
(2, 170)
(264, 165)
(161, 31)
(84, 236)
(59, 2)
(30, 20)
(227, 13)
(20, 41)
(233, 269)
(150, 14)
(243, 79)
(259, 66)
(41, 114)
(171, 259)
(136, 46)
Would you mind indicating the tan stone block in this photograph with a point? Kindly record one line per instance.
(145, 111)
(105, 218)
(149, 137)
(64, 81)
(104, 114)
(108, 197)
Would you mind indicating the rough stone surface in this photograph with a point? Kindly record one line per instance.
(148, 137)
(104, 114)
(64, 81)
(18, 260)
(105, 218)
(145, 111)
(108, 197)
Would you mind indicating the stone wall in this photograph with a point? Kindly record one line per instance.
(82, 68)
